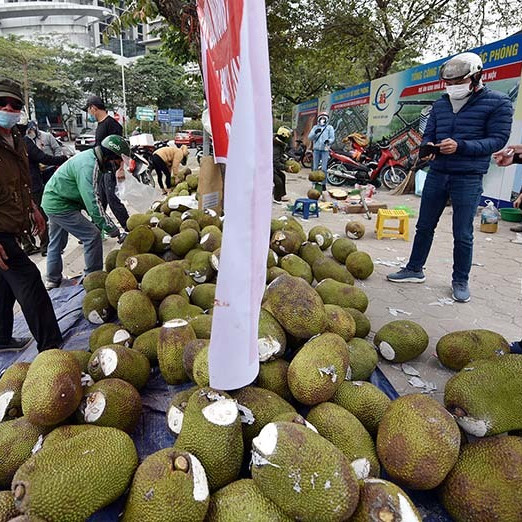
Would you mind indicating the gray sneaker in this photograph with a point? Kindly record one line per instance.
(49, 285)
(460, 292)
(404, 275)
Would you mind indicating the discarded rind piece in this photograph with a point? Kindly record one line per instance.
(245, 414)
(222, 412)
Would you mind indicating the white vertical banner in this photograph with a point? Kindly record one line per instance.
(233, 355)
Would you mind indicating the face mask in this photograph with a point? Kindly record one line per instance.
(31, 134)
(322, 122)
(91, 118)
(458, 92)
(9, 119)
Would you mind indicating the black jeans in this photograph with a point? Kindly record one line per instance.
(279, 184)
(22, 282)
(161, 168)
(107, 193)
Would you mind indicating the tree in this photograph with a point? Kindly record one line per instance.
(153, 80)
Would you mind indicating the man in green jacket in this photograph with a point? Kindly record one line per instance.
(73, 188)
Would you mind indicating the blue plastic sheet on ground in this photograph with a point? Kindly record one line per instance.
(152, 433)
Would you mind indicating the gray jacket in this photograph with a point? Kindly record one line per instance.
(327, 134)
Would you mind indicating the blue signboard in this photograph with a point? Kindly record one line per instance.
(176, 117)
(163, 115)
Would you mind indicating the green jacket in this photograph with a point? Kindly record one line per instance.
(74, 186)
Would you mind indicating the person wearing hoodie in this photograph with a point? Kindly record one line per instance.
(322, 137)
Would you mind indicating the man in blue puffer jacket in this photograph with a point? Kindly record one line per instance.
(466, 126)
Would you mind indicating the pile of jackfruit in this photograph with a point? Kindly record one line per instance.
(308, 440)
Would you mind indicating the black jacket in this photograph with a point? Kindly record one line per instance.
(279, 151)
(37, 156)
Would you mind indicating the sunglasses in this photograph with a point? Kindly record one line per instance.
(13, 102)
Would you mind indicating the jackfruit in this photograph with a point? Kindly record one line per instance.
(177, 307)
(273, 273)
(457, 349)
(170, 225)
(7, 506)
(295, 418)
(310, 252)
(383, 500)
(339, 321)
(190, 223)
(484, 484)
(201, 269)
(211, 431)
(136, 312)
(202, 325)
(322, 236)
(360, 265)
(203, 295)
(271, 338)
(303, 473)
(82, 358)
(62, 434)
(176, 409)
(118, 362)
(257, 407)
(401, 341)
(52, 389)
(17, 439)
(173, 337)
(189, 256)
(240, 501)
(94, 280)
(418, 441)
(297, 306)
(11, 383)
(354, 230)
(285, 242)
(140, 264)
(290, 223)
(109, 333)
(96, 307)
(362, 323)
(485, 396)
(200, 372)
(147, 344)
(135, 220)
(210, 238)
(113, 403)
(273, 376)
(162, 280)
(184, 241)
(119, 281)
(341, 294)
(316, 176)
(295, 266)
(328, 268)
(190, 351)
(89, 472)
(313, 194)
(363, 359)
(170, 486)
(272, 259)
(110, 260)
(161, 241)
(346, 433)
(192, 181)
(318, 369)
(139, 239)
(342, 247)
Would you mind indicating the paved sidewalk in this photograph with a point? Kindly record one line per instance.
(496, 284)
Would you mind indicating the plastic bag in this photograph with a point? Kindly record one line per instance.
(420, 178)
(489, 217)
(139, 196)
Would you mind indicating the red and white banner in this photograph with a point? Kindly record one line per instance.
(237, 83)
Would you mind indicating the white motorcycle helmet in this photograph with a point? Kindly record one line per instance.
(461, 67)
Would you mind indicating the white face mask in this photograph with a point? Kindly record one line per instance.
(458, 92)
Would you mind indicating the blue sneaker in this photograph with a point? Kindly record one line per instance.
(461, 291)
(404, 275)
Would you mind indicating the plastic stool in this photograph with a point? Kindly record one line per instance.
(306, 207)
(401, 231)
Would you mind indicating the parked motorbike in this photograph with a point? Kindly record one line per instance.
(140, 165)
(380, 167)
(301, 154)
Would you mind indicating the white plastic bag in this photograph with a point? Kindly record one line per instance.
(420, 178)
(139, 196)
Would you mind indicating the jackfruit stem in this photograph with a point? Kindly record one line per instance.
(181, 464)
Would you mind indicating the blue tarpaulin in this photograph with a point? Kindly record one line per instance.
(152, 433)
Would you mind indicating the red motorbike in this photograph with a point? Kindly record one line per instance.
(380, 167)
